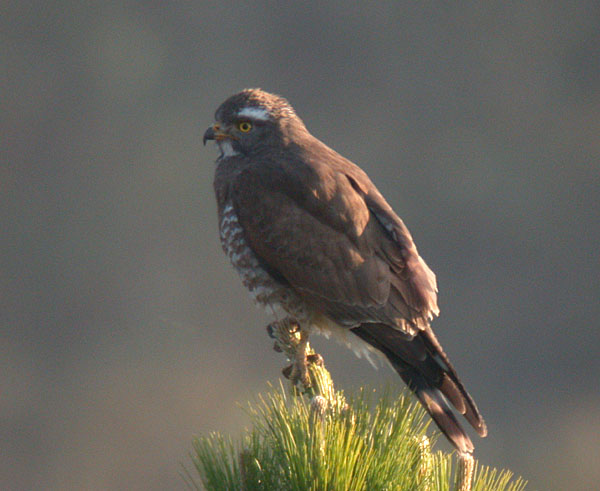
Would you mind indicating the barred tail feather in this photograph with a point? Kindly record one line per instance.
(425, 368)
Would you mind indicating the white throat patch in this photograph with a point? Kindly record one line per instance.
(257, 113)
(227, 148)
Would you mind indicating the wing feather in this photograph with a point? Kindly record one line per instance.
(343, 250)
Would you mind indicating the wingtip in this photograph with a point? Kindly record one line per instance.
(482, 431)
(435, 404)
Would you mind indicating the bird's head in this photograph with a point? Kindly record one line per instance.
(253, 120)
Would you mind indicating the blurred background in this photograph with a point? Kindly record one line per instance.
(124, 331)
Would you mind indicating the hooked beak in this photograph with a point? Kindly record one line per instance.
(214, 132)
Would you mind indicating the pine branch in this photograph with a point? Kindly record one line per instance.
(316, 438)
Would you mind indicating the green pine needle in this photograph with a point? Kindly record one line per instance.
(361, 444)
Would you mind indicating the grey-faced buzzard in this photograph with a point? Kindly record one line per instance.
(310, 234)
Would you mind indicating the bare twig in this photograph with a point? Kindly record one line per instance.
(426, 463)
(464, 473)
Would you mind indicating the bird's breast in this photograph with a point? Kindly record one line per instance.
(263, 288)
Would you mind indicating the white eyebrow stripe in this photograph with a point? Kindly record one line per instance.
(254, 113)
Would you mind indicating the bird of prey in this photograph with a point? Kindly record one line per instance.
(310, 234)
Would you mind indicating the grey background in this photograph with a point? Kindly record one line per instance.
(124, 331)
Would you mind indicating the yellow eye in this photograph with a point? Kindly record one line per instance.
(244, 126)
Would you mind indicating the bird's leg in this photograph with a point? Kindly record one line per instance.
(292, 340)
(306, 367)
(300, 364)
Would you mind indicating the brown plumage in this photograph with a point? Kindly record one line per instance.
(310, 233)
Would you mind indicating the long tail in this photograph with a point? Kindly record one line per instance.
(425, 368)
